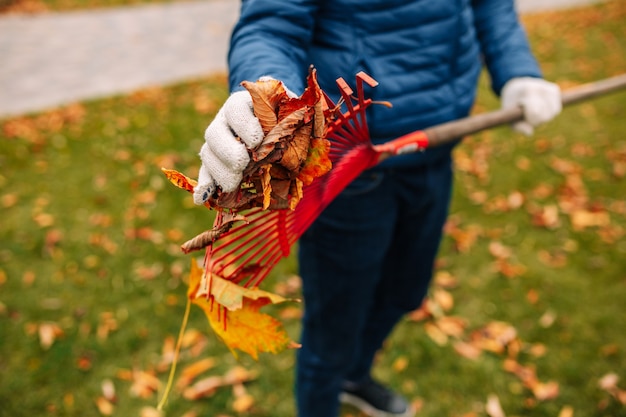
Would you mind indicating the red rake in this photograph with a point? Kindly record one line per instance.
(248, 252)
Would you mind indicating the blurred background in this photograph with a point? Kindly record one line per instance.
(525, 316)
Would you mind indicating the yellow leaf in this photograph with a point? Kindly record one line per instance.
(225, 292)
(246, 329)
(233, 313)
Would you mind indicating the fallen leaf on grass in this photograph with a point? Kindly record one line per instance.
(566, 411)
(206, 387)
(108, 390)
(436, 334)
(105, 407)
(203, 388)
(400, 364)
(493, 407)
(144, 384)
(547, 216)
(582, 219)
(452, 326)
(48, 333)
(541, 390)
(467, 350)
(150, 412)
(443, 299)
(243, 400)
(192, 371)
(494, 337)
(608, 383)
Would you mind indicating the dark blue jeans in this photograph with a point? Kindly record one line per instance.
(365, 262)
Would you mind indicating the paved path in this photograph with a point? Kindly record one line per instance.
(52, 59)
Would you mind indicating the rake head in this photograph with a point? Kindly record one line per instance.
(247, 252)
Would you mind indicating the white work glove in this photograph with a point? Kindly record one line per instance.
(540, 100)
(223, 156)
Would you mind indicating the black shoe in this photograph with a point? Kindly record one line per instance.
(375, 400)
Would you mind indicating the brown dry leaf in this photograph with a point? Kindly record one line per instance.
(293, 147)
(443, 299)
(400, 364)
(582, 219)
(494, 337)
(238, 374)
(48, 333)
(108, 390)
(508, 269)
(168, 352)
(224, 221)
(266, 96)
(436, 334)
(108, 324)
(243, 401)
(192, 371)
(105, 407)
(608, 382)
(464, 238)
(566, 411)
(150, 412)
(446, 280)
(493, 407)
(542, 391)
(467, 350)
(144, 384)
(547, 319)
(203, 388)
(499, 251)
(452, 326)
(422, 313)
(545, 391)
(284, 130)
(297, 148)
(547, 216)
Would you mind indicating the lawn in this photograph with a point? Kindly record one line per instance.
(526, 314)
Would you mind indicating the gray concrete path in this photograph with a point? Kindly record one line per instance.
(53, 59)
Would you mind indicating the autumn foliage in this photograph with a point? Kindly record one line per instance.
(293, 153)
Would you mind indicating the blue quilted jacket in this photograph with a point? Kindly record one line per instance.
(426, 54)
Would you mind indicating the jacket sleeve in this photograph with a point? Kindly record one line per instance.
(272, 38)
(503, 42)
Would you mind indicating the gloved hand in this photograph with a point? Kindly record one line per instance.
(539, 99)
(223, 156)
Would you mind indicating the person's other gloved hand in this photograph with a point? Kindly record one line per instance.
(539, 99)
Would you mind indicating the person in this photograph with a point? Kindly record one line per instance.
(368, 259)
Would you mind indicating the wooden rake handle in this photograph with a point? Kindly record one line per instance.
(447, 132)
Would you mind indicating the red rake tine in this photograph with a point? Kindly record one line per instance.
(268, 236)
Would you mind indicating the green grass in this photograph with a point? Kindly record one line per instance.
(90, 232)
